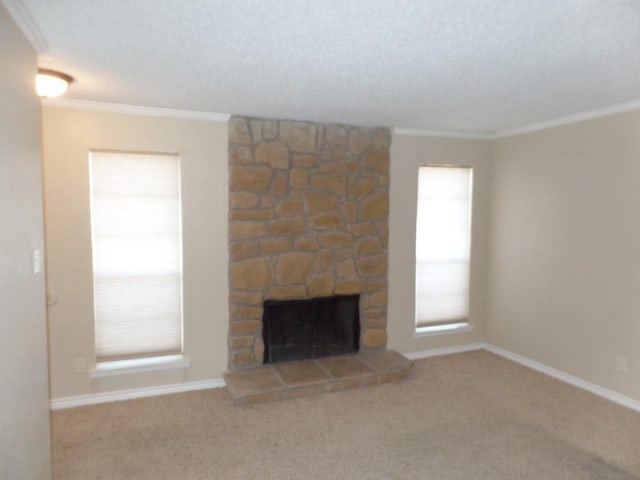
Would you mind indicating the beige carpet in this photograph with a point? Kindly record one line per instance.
(466, 416)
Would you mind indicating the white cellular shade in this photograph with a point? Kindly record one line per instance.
(443, 242)
(137, 254)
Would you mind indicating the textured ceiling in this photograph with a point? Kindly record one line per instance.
(458, 65)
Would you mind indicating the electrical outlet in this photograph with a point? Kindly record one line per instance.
(622, 363)
(79, 366)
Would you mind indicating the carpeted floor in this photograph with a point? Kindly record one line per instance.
(466, 416)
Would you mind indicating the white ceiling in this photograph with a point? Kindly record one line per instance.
(458, 65)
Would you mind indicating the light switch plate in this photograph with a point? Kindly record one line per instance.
(36, 260)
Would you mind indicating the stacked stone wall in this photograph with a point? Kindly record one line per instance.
(308, 217)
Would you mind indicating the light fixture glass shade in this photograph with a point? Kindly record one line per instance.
(50, 83)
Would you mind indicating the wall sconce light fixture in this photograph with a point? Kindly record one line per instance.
(50, 83)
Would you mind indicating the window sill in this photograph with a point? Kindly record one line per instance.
(443, 329)
(139, 365)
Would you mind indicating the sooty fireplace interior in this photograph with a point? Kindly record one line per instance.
(316, 327)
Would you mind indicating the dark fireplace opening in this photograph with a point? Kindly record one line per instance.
(310, 328)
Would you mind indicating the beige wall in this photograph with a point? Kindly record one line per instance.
(68, 134)
(554, 234)
(24, 406)
(408, 153)
(564, 279)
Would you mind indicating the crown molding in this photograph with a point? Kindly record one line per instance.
(418, 132)
(532, 127)
(224, 117)
(133, 109)
(26, 24)
(569, 119)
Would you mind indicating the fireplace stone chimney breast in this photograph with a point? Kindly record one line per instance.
(308, 217)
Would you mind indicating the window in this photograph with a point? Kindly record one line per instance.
(137, 254)
(443, 241)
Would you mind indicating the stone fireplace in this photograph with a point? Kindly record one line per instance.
(308, 217)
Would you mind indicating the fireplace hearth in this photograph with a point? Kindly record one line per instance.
(310, 328)
(287, 380)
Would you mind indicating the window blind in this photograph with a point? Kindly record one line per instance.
(443, 241)
(137, 254)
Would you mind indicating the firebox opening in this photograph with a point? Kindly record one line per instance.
(310, 328)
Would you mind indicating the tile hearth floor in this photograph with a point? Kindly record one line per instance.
(286, 380)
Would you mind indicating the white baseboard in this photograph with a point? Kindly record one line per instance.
(603, 392)
(567, 378)
(96, 398)
(119, 395)
(436, 352)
